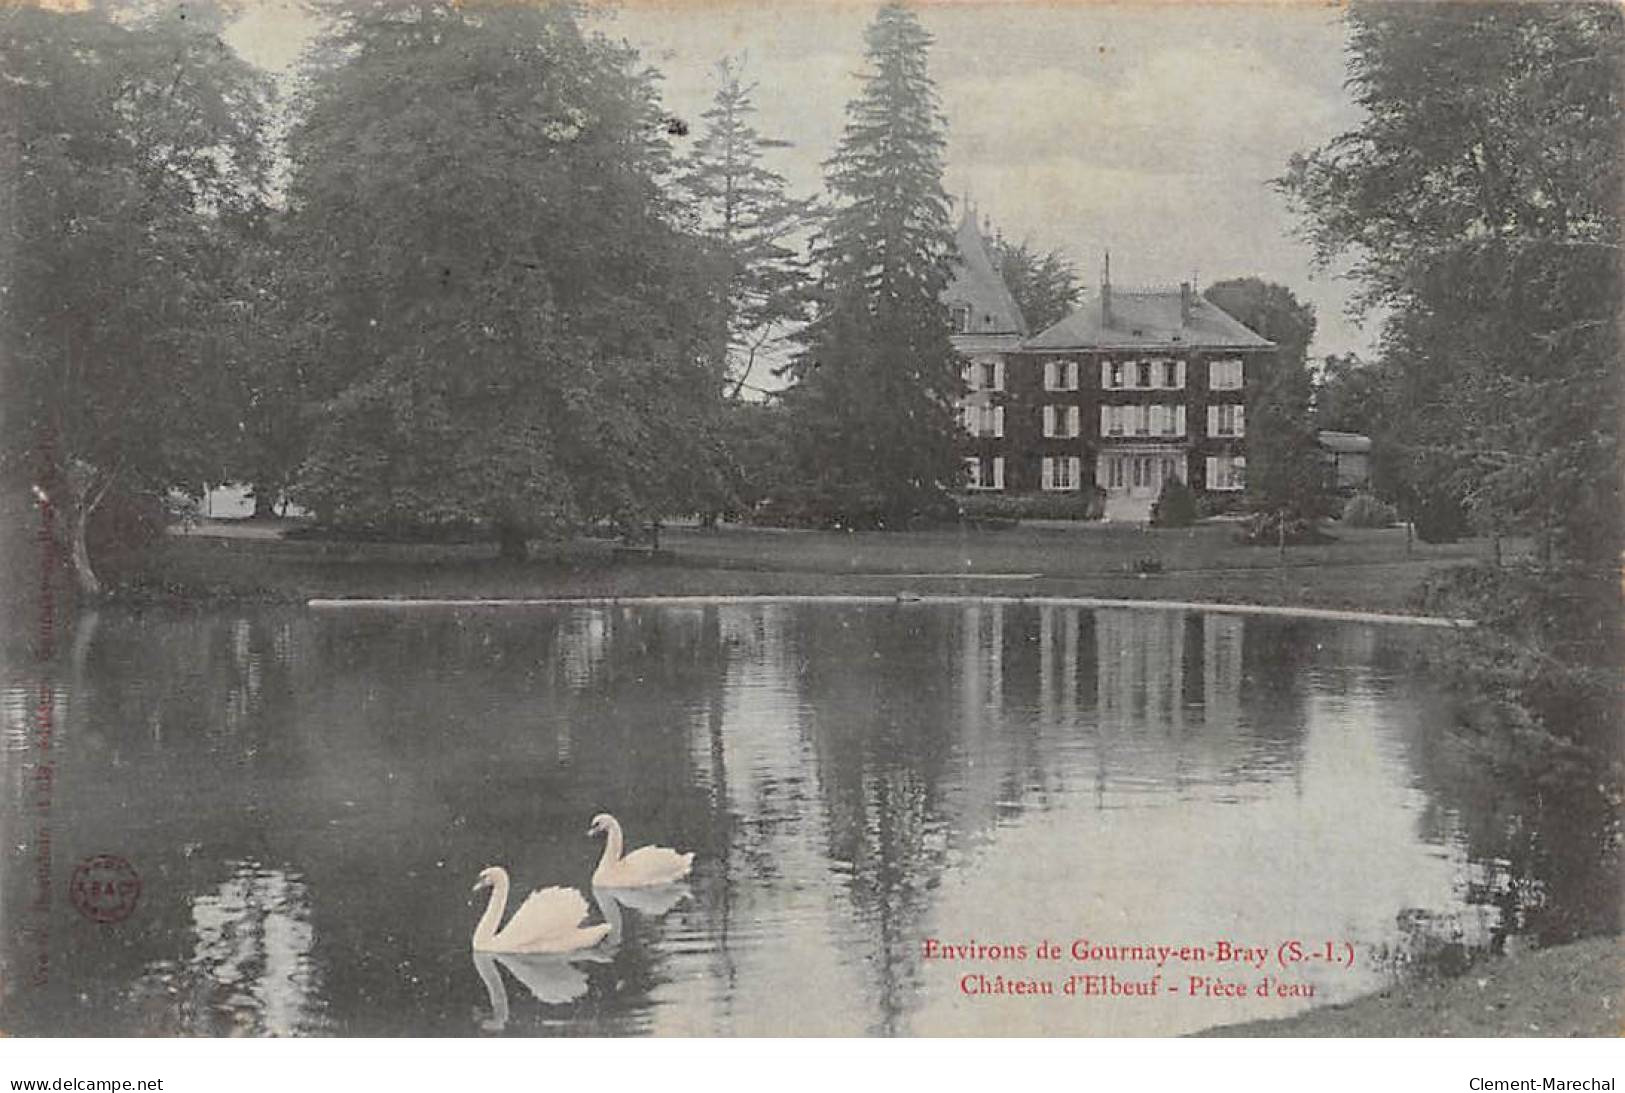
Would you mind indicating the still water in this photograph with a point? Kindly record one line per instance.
(308, 796)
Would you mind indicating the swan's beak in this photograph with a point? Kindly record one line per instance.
(476, 888)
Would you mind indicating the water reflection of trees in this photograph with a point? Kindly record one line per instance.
(250, 971)
(1543, 849)
(831, 765)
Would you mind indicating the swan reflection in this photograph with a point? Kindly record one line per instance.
(552, 979)
(651, 902)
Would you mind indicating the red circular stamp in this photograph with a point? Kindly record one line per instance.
(105, 888)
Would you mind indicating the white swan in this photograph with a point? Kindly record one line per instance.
(645, 866)
(549, 921)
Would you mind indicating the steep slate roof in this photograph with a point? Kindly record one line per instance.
(977, 282)
(1147, 319)
(1344, 442)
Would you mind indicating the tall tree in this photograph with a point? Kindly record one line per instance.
(1349, 395)
(135, 158)
(743, 207)
(1284, 471)
(876, 377)
(516, 325)
(1479, 201)
(1045, 284)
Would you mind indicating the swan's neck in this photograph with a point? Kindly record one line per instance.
(486, 931)
(612, 846)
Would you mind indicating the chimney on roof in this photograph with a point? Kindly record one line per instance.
(1185, 302)
(1106, 293)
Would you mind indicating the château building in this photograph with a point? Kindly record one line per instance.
(1130, 389)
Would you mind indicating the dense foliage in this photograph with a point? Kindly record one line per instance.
(1175, 506)
(1365, 511)
(515, 330)
(1479, 203)
(1284, 471)
(1044, 284)
(872, 405)
(135, 168)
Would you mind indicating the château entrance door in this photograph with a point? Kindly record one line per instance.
(1139, 472)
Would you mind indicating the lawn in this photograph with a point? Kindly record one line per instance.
(1365, 569)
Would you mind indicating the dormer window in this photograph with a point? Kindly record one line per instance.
(961, 318)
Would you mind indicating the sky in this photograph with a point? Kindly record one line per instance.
(1148, 128)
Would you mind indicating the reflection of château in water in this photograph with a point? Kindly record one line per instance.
(844, 772)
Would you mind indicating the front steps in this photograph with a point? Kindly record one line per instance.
(1127, 510)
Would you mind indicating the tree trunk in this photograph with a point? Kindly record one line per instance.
(84, 574)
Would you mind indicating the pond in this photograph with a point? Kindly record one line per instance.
(898, 811)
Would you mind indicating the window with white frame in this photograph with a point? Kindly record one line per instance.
(1227, 420)
(1173, 374)
(1167, 420)
(1062, 421)
(1226, 472)
(989, 420)
(1111, 420)
(961, 318)
(1060, 375)
(1112, 375)
(1062, 472)
(1224, 375)
(984, 474)
(1141, 416)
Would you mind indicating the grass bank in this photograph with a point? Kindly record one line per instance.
(1364, 570)
(1568, 990)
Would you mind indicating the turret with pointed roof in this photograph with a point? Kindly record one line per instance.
(977, 296)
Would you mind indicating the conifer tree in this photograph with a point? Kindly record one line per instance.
(874, 434)
(743, 207)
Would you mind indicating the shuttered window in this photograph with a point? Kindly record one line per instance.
(1224, 375)
(1061, 472)
(1226, 473)
(1227, 420)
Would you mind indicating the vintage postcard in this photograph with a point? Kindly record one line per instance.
(817, 518)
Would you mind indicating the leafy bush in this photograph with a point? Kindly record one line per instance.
(1083, 505)
(1543, 663)
(1220, 504)
(1175, 507)
(1440, 518)
(1365, 511)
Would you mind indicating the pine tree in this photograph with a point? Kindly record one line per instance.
(742, 206)
(872, 407)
